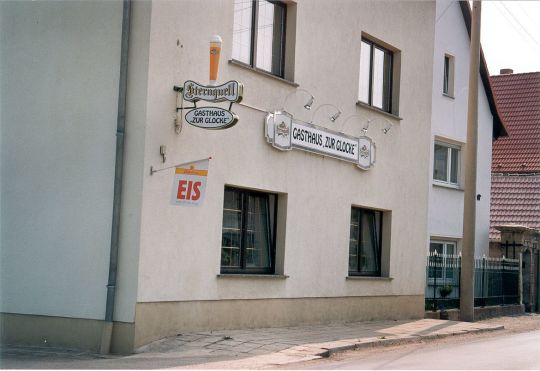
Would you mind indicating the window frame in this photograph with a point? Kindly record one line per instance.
(254, 36)
(244, 194)
(378, 240)
(374, 45)
(449, 147)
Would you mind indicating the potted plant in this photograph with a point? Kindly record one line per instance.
(444, 291)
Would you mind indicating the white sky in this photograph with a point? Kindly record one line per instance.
(510, 35)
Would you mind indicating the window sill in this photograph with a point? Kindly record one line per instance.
(257, 276)
(368, 278)
(378, 110)
(262, 72)
(448, 186)
(448, 96)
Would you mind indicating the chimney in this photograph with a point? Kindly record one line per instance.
(506, 71)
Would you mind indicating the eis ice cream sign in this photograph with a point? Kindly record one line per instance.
(213, 117)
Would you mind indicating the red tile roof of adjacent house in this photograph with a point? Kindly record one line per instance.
(515, 199)
(518, 101)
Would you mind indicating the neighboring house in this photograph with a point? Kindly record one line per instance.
(282, 237)
(449, 134)
(515, 191)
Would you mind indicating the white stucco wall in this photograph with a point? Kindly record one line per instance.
(449, 123)
(181, 246)
(59, 96)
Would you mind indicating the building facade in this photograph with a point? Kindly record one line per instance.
(281, 238)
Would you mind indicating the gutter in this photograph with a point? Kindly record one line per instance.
(107, 331)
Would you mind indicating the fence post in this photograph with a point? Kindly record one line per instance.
(435, 283)
(483, 301)
(503, 286)
(520, 287)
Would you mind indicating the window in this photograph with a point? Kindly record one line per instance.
(375, 75)
(259, 34)
(448, 79)
(248, 235)
(446, 163)
(365, 242)
(443, 261)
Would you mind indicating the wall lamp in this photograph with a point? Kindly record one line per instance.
(385, 130)
(332, 118)
(350, 117)
(308, 104)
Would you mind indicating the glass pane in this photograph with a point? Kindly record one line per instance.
(378, 78)
(270, 35)
(365, 57)
(257, 238)
(454, 165)
(353, 240)
(446, 74)
(437, 262)
(369, 247)
(241, 48)
(440, 164)
(232, 229)
(436, 247)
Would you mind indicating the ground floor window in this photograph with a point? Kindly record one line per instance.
(442, 254)
(365, 242)
(248, 234)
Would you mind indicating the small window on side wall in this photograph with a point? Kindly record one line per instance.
(248, 234)
(376, 76)
(446, 160)
(448, 77)
(365, 242)
(259, 34)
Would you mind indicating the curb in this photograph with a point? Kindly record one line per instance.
(330, 350)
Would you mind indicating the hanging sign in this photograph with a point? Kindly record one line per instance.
(211, 118)
(231, 91)
(285, 133)
(189, 185)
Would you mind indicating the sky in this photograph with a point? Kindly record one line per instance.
(510, 36)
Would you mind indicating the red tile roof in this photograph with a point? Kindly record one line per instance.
(515, 199)
(518, 101)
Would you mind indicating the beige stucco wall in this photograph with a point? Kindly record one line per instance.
(180, 246)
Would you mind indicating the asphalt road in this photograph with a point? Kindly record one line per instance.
(510, 352)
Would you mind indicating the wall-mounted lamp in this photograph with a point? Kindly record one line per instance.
(385, 130)
(308, 104)
(332, 118)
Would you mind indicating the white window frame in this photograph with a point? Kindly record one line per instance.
(448, 75)
(448, 182)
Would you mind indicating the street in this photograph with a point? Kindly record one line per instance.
(516, 351)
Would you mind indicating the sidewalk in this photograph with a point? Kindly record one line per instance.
(251, 348)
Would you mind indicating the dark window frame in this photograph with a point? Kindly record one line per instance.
(390, 53)
(378, 241)
(244, 194)
(253, 44)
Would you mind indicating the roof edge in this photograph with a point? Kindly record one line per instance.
(499, 130)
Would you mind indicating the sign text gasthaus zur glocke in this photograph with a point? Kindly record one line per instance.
(285, 133)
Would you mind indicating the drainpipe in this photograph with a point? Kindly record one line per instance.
(106, 335)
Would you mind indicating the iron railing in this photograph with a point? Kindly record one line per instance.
(496, 281)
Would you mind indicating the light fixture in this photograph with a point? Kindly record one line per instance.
(307, 105)
(332, 118)
(387, 128)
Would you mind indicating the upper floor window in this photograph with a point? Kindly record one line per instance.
(248, 234)
(376, 64)
(446, 160)
(448, 78)
(259, 34)
(365, 242)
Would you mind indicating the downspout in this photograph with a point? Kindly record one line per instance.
(106, 335)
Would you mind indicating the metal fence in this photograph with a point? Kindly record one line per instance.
(496, 281)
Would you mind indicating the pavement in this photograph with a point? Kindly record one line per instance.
(247, 348)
